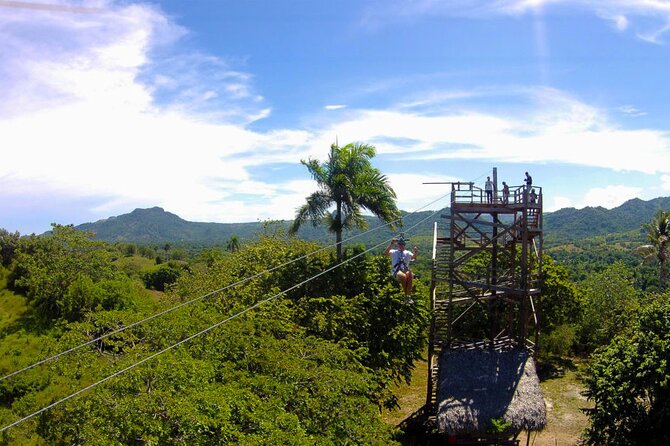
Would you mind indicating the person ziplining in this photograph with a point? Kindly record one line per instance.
(400, 260)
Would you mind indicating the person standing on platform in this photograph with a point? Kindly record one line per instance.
(505, 193)
(529, 182)
(488, 187)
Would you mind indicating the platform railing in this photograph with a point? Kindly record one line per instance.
(468, 193)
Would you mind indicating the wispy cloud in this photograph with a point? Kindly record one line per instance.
(649, 19)
(124, 56)
(335, 107)
(556, 128)
(631, 111)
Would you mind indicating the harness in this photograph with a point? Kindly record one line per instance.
(401, 265)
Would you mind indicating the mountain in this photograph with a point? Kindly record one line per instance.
(155, 225)
(572, 224)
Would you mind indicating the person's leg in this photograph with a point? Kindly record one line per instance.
(408, 283)
(401, 277)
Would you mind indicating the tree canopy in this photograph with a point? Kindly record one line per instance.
(309, 366)
(658, 236)
(347, 181)
(629, 380)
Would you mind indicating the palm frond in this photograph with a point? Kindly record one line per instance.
(313, 210)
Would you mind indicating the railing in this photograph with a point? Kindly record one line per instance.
(468, 193)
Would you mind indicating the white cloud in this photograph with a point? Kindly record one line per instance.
(665, 182)
(413, 194)
(87, 110)
(558, 203)
(557, 129)
(611, 196)
(621, 22)
(335, 107)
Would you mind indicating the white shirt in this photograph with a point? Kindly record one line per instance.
(398, 255)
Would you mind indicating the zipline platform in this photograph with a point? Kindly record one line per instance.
(486, 279)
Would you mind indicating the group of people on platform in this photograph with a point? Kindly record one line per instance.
(488, 188)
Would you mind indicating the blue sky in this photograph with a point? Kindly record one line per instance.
(206, 108)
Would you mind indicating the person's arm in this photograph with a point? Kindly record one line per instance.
(414, 251)
(387, 251)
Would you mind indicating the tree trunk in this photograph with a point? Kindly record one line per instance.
(338, 239)
(663, 275)
(338, 232)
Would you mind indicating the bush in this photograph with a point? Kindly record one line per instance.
(560, 341)
(9, 242)
(161, 277)
(45, 267)
(84, 295)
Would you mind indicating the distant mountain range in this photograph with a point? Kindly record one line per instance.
(570, 224)
(155, 225)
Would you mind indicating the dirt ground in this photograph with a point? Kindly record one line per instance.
(562, 390)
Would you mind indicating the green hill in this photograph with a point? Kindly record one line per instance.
(570, 224)
(155, 225)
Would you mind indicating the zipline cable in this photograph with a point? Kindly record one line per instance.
(211, 293)
(206, 330)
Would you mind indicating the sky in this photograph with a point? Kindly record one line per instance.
(207, 107)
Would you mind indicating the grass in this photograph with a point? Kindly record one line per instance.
(12, 306)
(410, 397)
(135, 265)
(562, 388)
(560, 383)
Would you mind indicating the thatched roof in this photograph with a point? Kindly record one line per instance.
(476, 386)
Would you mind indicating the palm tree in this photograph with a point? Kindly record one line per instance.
(658, 236)
(233, 244)
(348, 182)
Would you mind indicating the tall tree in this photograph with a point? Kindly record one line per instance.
(658, 236)
(348, 182)
(9, 242)
(233, 244)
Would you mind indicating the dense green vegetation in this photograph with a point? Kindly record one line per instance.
(630, 381)
(572, 225)
(311, 365)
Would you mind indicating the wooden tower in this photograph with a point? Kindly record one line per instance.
(487, 264)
